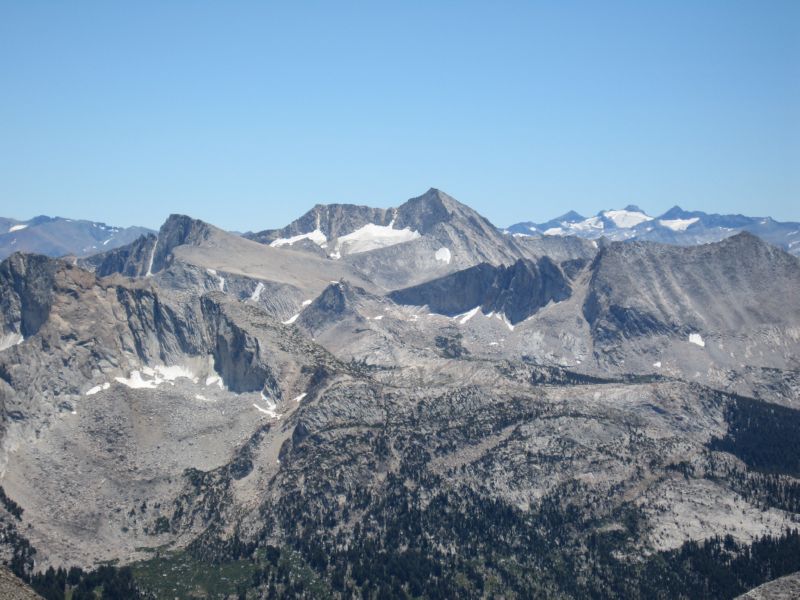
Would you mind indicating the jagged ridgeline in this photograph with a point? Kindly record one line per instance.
(401, 403)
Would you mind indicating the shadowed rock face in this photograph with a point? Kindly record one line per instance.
(150, 252)
(131, 260)
(26, 292)
(518, 291)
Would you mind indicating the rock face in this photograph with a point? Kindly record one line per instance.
(11, 588)
(26, 293)
(610, 421)
(517, 291)
(740, 283)
(332, 220)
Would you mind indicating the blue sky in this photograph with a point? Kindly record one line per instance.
(245, 114)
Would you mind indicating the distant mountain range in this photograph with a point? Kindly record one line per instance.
(57, 236)
(350, 229)
(676, 226)
(403, 402)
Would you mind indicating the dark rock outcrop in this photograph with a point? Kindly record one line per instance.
(518, 290)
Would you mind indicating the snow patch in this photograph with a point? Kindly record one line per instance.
(657, 364)
(300, 397)
(696, 338)
(315, 236)
(10, 339)
(271, 406)
(626, 218)
(271, 413)
(555, 231)
(371, 237)
(306, 302)
(291, 319)
(257, 292)
(158, 375)
(98, 388)
(220, 279)
(215, 379)
(443, 255)
(678, 224)
(136, 382)
(16, 228)
(590, 224)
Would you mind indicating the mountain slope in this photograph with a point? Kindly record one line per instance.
(423, 238)
(56, 236)
(232, 418)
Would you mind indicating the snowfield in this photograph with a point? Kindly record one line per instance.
(316, 236)
(697, 339)
(443, 255)
(678, 224)
(626, 218)
(371, 237)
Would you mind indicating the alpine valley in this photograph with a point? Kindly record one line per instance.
(402, 403)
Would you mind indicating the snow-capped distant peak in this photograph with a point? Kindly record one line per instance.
(625, 218)
(16, 228)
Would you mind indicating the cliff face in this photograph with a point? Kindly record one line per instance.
(517, 291)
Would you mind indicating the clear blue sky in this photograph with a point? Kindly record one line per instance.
(246, 114)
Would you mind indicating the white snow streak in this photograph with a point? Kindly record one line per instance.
(257, 292)
(271, 406)
(300, 397)
(152, 256)
(464, 317)
(291, 319)
(16, 228)
(10, 339)
(98, 388)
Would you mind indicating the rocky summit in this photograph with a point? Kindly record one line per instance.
(404, 403)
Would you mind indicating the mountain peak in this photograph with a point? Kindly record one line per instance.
(676, 212)
(570, 217)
